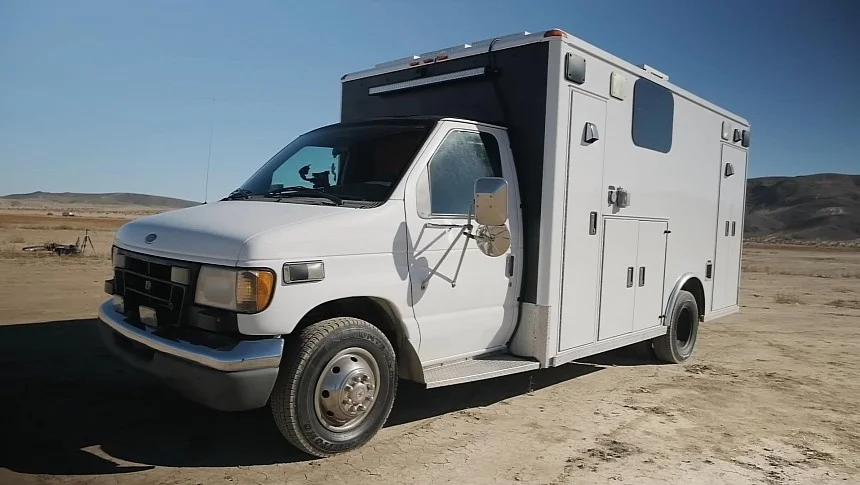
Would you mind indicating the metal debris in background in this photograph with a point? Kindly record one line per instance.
(79, 248)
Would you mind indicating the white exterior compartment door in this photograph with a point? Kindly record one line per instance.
(581, 266)
(618, 282)
(650, 270)
(729, 228)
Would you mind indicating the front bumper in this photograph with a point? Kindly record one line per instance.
(233, 377)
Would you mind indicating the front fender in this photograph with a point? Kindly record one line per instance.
(381, 276)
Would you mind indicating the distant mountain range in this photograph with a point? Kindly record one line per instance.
(820, 207)
(107, 199)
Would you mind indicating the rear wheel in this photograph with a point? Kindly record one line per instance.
(678, 343)
(336, 387)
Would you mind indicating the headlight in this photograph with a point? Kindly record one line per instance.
(237, 289)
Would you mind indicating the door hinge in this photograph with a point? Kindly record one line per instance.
(667, 232)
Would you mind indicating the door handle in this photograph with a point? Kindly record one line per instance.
(509, 268)
(642, 276)
(591, 134)
(630, 276)
(727, 228)
(592, 223)
(733, 228)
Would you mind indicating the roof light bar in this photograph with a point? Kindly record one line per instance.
(427, 81)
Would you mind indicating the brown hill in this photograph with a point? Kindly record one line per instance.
(106, 199)
(820, 207)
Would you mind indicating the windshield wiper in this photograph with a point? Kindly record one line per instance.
(298, 191)
(239, 194)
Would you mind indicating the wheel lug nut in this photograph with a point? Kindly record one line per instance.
(369, 398)
(346, 401)
(370, 387)
(361, 407)
(364, 378)
(352, 409)
(347, 388)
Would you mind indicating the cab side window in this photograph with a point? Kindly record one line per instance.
(462, 158)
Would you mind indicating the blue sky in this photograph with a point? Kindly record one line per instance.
(104, 96)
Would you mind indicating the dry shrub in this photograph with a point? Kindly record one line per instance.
(840, 303)
(787, 299)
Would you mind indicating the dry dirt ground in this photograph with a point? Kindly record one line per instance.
(772, 395)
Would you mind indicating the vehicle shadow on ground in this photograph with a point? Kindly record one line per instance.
(68, 407)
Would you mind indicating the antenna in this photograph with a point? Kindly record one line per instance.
(209, 155)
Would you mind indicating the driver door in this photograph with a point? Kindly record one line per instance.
(464, 301)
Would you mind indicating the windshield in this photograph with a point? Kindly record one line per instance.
(354, 163)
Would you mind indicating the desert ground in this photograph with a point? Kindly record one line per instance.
(771, 395)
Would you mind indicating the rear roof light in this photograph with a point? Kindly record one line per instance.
(555, 33)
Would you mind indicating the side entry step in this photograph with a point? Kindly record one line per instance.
(484, 367)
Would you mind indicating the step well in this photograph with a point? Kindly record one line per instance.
(476, 369)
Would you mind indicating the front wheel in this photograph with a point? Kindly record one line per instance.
(336, 386)
(678, 343)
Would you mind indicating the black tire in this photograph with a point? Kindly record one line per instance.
(678, 343)
(295, 403)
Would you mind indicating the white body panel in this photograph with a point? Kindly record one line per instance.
(648, 275)
(681, 188)
(617, 290)
(463, 300)
(365, 252)
(581, 276)
(216, 233)
(631, 293)
(729, 229)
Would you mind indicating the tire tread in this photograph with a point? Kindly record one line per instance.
(299, 351)
(664, 345)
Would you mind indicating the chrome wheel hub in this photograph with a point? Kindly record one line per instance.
(346, 389)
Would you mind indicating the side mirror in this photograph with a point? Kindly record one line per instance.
(491, 201)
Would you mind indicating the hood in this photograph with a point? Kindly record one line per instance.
(216, 232)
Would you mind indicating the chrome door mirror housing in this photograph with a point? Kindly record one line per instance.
(491, 201)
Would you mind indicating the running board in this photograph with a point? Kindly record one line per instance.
(478, 368)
